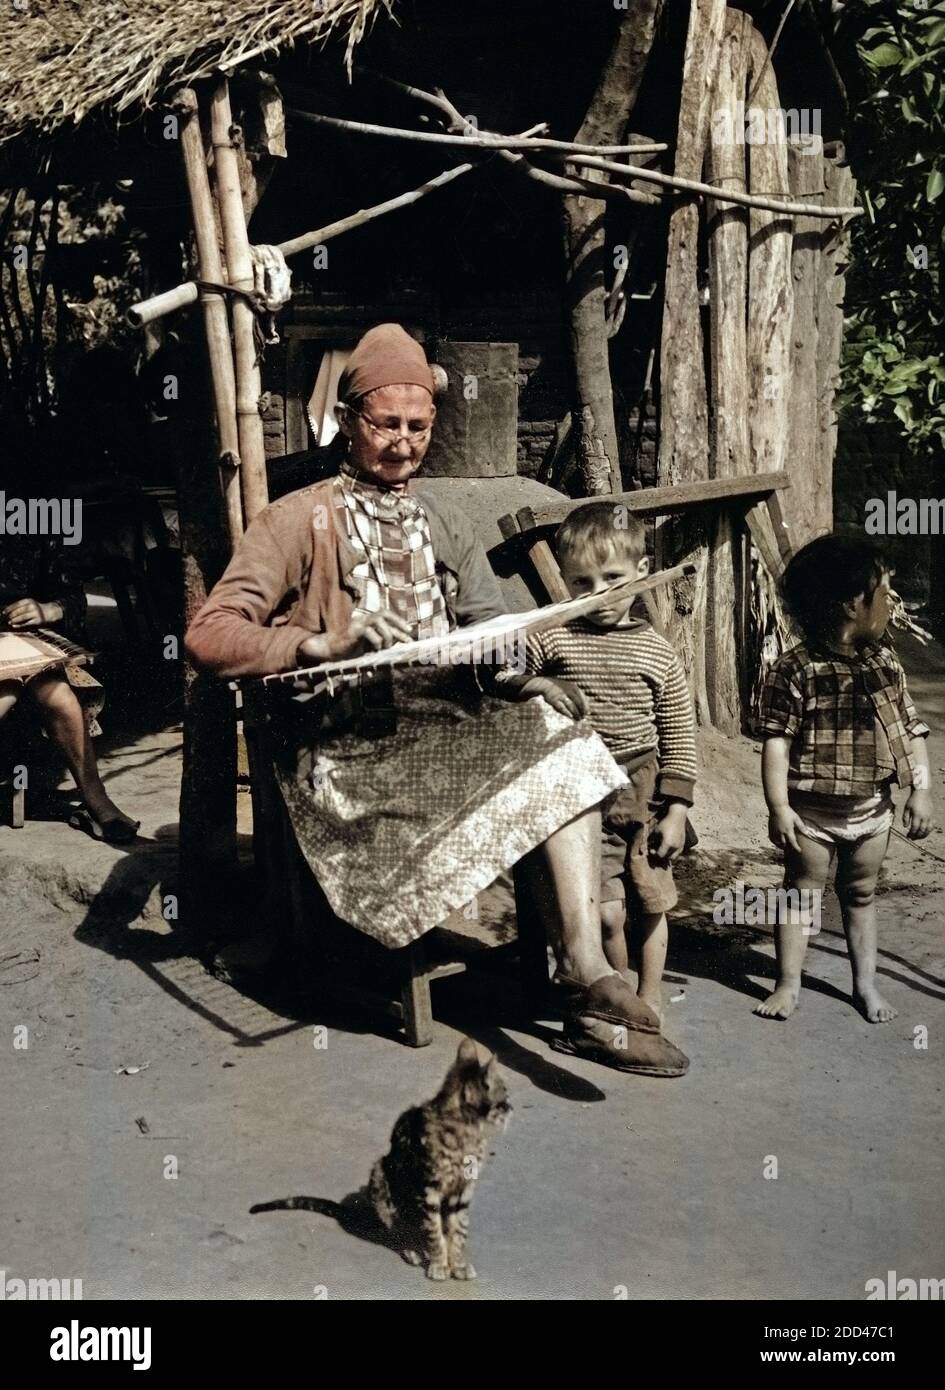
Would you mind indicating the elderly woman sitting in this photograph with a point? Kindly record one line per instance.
(401, 825)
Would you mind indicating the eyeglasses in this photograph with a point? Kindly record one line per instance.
(392, 436)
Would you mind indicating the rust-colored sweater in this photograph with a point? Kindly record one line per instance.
(290, 577)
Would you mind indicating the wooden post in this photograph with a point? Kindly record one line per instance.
(211, 523)
(216, 326)
(813, 498)
(684, 434)
(834, 256)
(728, 372)
(239, 265)
(605, 123)
(770, 284)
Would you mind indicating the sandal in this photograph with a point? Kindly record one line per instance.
(610, 999)
(114, 831)
(625, 1050)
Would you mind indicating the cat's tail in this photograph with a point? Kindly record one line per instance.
(321, 1205)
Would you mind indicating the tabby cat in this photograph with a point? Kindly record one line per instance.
(420, 1191)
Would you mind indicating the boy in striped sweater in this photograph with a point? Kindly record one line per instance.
(613, 669)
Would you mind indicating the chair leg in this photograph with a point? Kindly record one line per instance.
(532, 943)
(415, 995)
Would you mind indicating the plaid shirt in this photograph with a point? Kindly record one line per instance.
(849, 719)
(398, 568)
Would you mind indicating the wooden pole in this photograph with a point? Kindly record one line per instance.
(207, 834)
(606, 120)
(728, 375)
(484, 141)
(770, 285)
(764, 202)
(684, 428)
(239, 266)
(834, 255)
(216, 326)
(813, 499)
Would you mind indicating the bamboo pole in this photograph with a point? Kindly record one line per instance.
(147, 310)
(216, 327)
(746, 200)
(482, 140)
(239, 264)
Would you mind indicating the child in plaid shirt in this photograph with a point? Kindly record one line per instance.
(839, 730)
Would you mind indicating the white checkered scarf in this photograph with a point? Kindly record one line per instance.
(397, 568)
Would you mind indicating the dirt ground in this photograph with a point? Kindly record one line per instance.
(604, 1186)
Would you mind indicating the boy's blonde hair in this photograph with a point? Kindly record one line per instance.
(598, 530)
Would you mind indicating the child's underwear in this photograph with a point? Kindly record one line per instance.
(834, 820)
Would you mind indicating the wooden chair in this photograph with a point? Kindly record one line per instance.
(17, 798)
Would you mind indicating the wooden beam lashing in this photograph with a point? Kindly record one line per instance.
(239, 265)
(606, 121)
(684, 433)
(728, 371)
(813, 503)
(770, 282)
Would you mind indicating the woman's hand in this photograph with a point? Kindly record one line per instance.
(784, 826)
(560, 695)
(26, 613)
(917, 814)
(365, 632)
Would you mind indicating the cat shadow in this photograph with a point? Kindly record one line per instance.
(353, 1214)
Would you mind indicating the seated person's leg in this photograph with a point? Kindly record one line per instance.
(65, 724)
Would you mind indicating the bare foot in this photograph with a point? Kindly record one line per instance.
(872, 1005)
(781, 1003)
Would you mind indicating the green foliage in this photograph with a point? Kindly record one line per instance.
(893, 364)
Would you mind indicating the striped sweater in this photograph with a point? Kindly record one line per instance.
(639, 700)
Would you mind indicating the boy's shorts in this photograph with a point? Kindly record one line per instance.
(627, 871)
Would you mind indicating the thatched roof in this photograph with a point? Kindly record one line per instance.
(61, 59)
